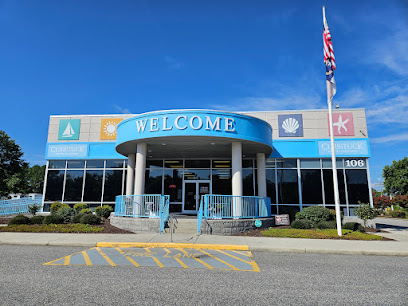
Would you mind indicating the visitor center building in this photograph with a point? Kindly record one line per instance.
(283, 155)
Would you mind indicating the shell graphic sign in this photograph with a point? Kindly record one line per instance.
(108, 128)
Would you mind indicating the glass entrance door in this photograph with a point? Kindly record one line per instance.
(193, 190)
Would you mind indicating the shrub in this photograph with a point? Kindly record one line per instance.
(333, 214)
(365, 212)
(77, 218)
(401, 200)
(33, 208)
(53, 219)
(19, 219)
(103, 211)
(66, 213)
(80, 206)
(381, 202)
(301, 224)
(90, 219)
(86, 211)
(56, 206)
(397, 214)
(354, 226)
(37, 220)
(327, 225)
(314, 214)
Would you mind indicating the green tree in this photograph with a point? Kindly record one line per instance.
(396, 177)
(12, 166)
(35, 177)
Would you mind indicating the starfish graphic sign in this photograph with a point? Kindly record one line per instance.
(343, 124)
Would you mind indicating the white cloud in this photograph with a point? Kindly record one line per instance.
(391, 51)
(121, 109)
(173, 63)
(390, 138)
(393, 111)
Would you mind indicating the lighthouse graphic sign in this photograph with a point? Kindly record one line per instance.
(69, 129)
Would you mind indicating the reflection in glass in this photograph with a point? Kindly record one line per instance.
(311, 186)
(113, 185)
(197, 163)
(310, 163)
(173, 163)
(271, 185)
(173, 185)
(247, 163)
(221, 182)
(288, 187)
(221, 163)
(114, 163)
(55, 181)
(248, 182)
(56, 164)
(158, 163)
(328, 186)
(357, 186)
(93, 185)
(95, 163)
(75, 164)
(73, 185)
(153, 183)
(286, 163)
(197, 174)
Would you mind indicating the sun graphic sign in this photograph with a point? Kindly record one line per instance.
(108, 128)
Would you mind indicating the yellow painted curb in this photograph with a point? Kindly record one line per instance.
(173, 245)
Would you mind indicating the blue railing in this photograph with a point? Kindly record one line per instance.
(232, 207)
(18, 206)
(144, 206)
(164, 212)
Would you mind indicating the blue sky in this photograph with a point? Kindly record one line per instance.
(87, 57)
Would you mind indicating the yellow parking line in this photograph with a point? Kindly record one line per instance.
(127, 257)
(86, 258)
(106, 257)
(52, 261)
(241, 253)
(220, 260)
(251, 262)
(67, 259)
(199, 260)
(155, 259)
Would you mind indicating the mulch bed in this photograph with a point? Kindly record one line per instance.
(108, 228)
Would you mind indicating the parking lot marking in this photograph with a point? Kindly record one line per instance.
(86, 258)
(154, 258)
(212, 259)
(106, 257)
(220, 260)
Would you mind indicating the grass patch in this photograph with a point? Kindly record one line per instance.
(318, 234)
(53, 228)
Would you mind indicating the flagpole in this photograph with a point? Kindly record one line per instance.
(333, 153)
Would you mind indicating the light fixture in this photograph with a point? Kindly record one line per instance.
(213, 143)
(163, 144)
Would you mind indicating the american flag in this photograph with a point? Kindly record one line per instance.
(329, 58)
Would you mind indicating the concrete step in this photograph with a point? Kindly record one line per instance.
(184, 226)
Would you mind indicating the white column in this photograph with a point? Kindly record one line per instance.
(140, 168)
(237, 178)
(261, 174)
(130, 179)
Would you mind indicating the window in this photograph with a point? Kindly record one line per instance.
(113, 185)
(153, 183)
(93, 185)
(112, 163)
(95, 164)
(197, 163)
(311, 186)
(271, 185)
(221, 182)
(55, 182)
(73, 185)
(357, 186)
(76, 164)
(173, 184)
(328, 186)
(248, 182)
(56, 164)
(288, 192)
(197, 174)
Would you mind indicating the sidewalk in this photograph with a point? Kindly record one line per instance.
(290, 245)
